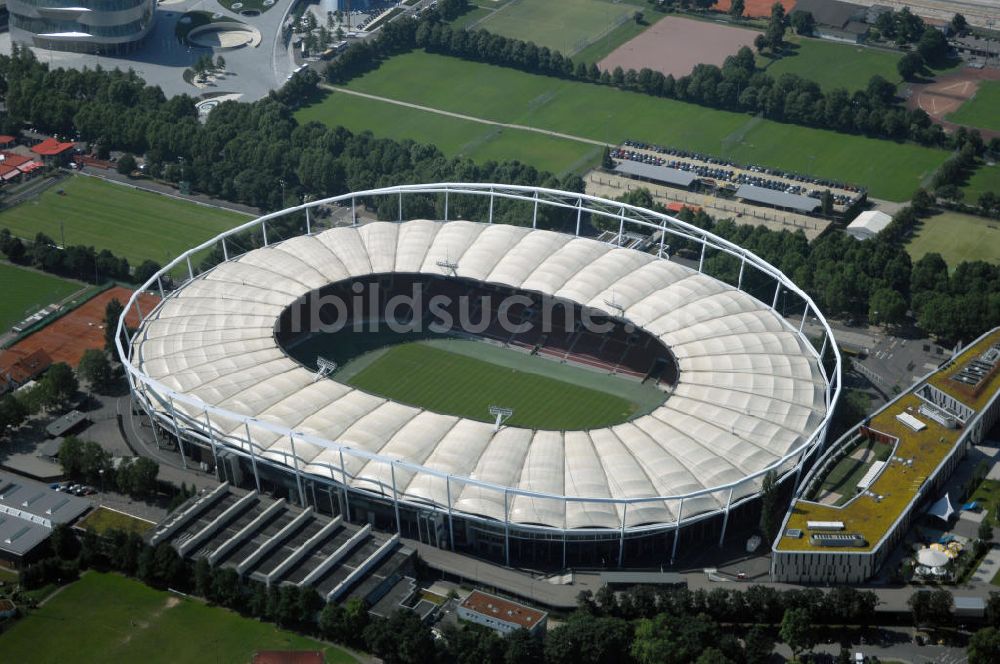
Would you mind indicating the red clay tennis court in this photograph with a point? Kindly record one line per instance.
(66, 339)
(754, 8)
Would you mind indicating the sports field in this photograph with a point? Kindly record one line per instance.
(26, 291)
(567, 25)
(454, 137)
(983, 110)
(465, 378)
(833, 65)
(890, 170)
(957, 237)
(136, 224)
(108, 618)
(985, 178)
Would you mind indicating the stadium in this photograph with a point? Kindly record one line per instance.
(645, 417)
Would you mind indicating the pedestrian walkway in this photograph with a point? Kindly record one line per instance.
(990, 565)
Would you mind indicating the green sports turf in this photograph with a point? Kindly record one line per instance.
(135, 224)
(108, 618)
(103, 519)
(455, 137)
(983, 110)
(26, 291)
(834, 65)
(957, 237)
(567, 26)
(985, 178)
(426, 375)
(890, 170)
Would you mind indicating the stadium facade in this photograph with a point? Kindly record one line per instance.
(748, 391)
(88, 26)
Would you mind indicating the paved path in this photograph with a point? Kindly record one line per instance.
(462, 116)
(990, 565)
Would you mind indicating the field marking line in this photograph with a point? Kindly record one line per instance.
(462, 116)
(112, 509)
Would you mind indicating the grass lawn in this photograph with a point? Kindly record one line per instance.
(957, 237)
(834, 65)
(459, 384)
(136, 224)
(567, 26)
(108, 618)
(843, 478)
(26, 291)
(983, 110)
(455, 137)
(103, 519)
(8, 576)
(890, 170)
(985, 178)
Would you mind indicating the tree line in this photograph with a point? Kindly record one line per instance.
(736, 86)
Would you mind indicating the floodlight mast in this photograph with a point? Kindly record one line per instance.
(502, 414)
(324, 368)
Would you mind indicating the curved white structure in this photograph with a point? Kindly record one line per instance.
(80, 25)
(752, 394)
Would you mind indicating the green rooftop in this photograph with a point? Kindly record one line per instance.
(898, 481)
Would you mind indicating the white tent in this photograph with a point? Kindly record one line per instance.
(868, 224)
(942, 509)
(932, 557)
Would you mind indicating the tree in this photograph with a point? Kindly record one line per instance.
(775, 33)
(606, 161)
(984, 646)
(758, 645)
(401, 639)
(910, 65)
(933, 45)
(202, 577)
(59, 384)
(760, 43)
(826, 202)
(220, 63)
(797, 631)
(886, 306)
(126, 164)
(146, 270)
(638, 18)
(95, 368)
(737, 8)
(112, 312)
(985, 532)
(769, 513)
(673, 639)
(12, 412)
(959, 25)
(524, 648)
(803, 22)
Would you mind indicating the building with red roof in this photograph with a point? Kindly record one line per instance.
(18, 367)
(52, 150)
(7, 141)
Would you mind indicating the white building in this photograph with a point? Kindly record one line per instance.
(868, 224)
(501, 615)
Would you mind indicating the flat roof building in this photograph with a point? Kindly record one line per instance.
(29, 511)
(956, 405)
(501, 615)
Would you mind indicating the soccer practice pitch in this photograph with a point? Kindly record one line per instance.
(131, 223)
(465, 377)
(599, 113)
(567, 26)
(983, 110)
(26, 291)
(109, 618)
(957, 237)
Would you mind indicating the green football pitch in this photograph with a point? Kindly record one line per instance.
(135, 224)
(985, 178)
(890, 170)
(465, 378)
(109, 618)
(567, 26)
(983, 110)
(833, 65)
(26, 291)
(957, 237)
